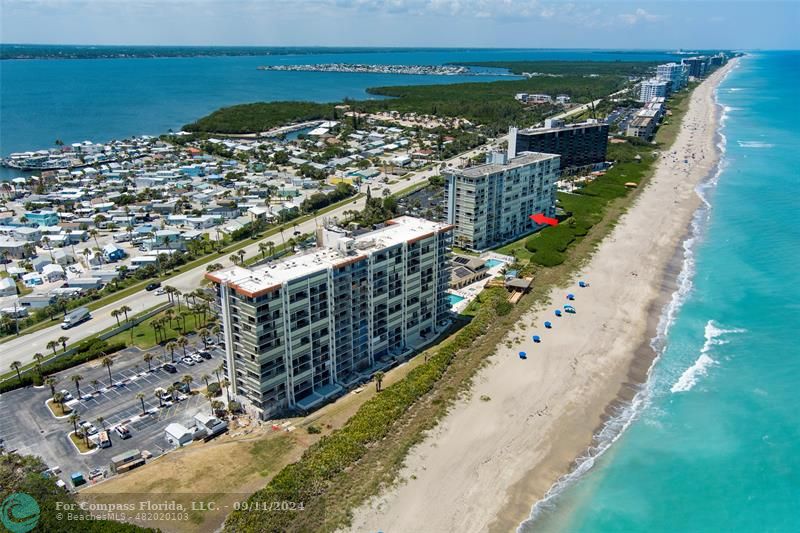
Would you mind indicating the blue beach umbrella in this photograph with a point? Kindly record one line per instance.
(582, 284)
(558, 312)
(523, 355)
(536, 338)
(570, 296)
(548, 325)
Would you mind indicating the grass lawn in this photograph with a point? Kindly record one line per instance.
(143, 335)
(81, 443)
(58, 409)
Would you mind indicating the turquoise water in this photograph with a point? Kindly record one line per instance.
(454, 299)
(491, 263)
(715, 444)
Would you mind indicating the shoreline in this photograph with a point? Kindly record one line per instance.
(542, 426)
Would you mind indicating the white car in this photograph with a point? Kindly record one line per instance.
(160, 291)
(197, 358)
(187, 361)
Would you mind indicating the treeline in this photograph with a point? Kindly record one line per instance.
(262, 116)
(491, 104)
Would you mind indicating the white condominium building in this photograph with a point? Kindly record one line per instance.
(302, 330)
(653, 88)
(675, 74)
(492, 203)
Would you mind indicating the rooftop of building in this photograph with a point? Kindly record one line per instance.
(339, 249)
(565, 127)
(522, 159)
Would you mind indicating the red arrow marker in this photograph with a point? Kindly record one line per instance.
(539, 218)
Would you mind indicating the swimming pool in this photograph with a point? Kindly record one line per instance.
(491, 263)
(454, 299)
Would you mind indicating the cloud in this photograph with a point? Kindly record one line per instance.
(638, 16)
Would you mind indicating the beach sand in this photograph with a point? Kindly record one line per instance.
(487, 462)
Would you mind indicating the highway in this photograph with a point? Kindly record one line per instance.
(22, 348)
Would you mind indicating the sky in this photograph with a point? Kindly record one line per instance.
(654, 24)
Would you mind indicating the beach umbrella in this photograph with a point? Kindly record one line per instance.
(558, 312)
(536, 338)
(548, 325)
(570, 296)
(523, 355)
(582, 284)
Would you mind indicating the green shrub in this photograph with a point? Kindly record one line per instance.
(308, 479)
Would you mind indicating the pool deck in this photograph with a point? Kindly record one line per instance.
(470, 292)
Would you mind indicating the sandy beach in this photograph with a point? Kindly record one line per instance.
(483, 467)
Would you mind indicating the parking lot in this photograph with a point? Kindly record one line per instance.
(28, 426)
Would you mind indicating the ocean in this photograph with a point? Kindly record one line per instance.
(712, 440)
(74, 100)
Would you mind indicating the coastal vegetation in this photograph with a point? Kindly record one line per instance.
(490, 104)
(345, 468)
(24, 474)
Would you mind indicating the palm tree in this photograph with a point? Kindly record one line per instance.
(63, 342)
(94, 383)
(125, 309)
(216, 330)
(183, 342)
(187, 380)
(51, 382)
(147, 358)
(115, 313)
(217, 370)
(16, 365)
(75, 418)
(203, 336)
(93, 233)
(38, 357)
(107, 362)
(205, 377)
(262, 247)
(140, 397)
(226, 383)
(216, 405)
(52, 345)
(234, 259)
(101, 421)
(158, 392)
(171, 347)
(378, 378)
(270, 248)
(76, 379)
(58, 398)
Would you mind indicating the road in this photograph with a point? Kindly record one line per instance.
(22, 348)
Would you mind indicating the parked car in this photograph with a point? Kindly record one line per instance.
(170, 368)
(204, 354)
(197, 358)
(187, 361)
(123, 431)
(160, 291)
(66, 395)
(88, 427)
(153, 286)
(181, 386)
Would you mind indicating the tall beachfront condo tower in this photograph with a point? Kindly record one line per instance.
(579, 145)
(676, 75)
(303, 330)
(653, 88)
(492, 203)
